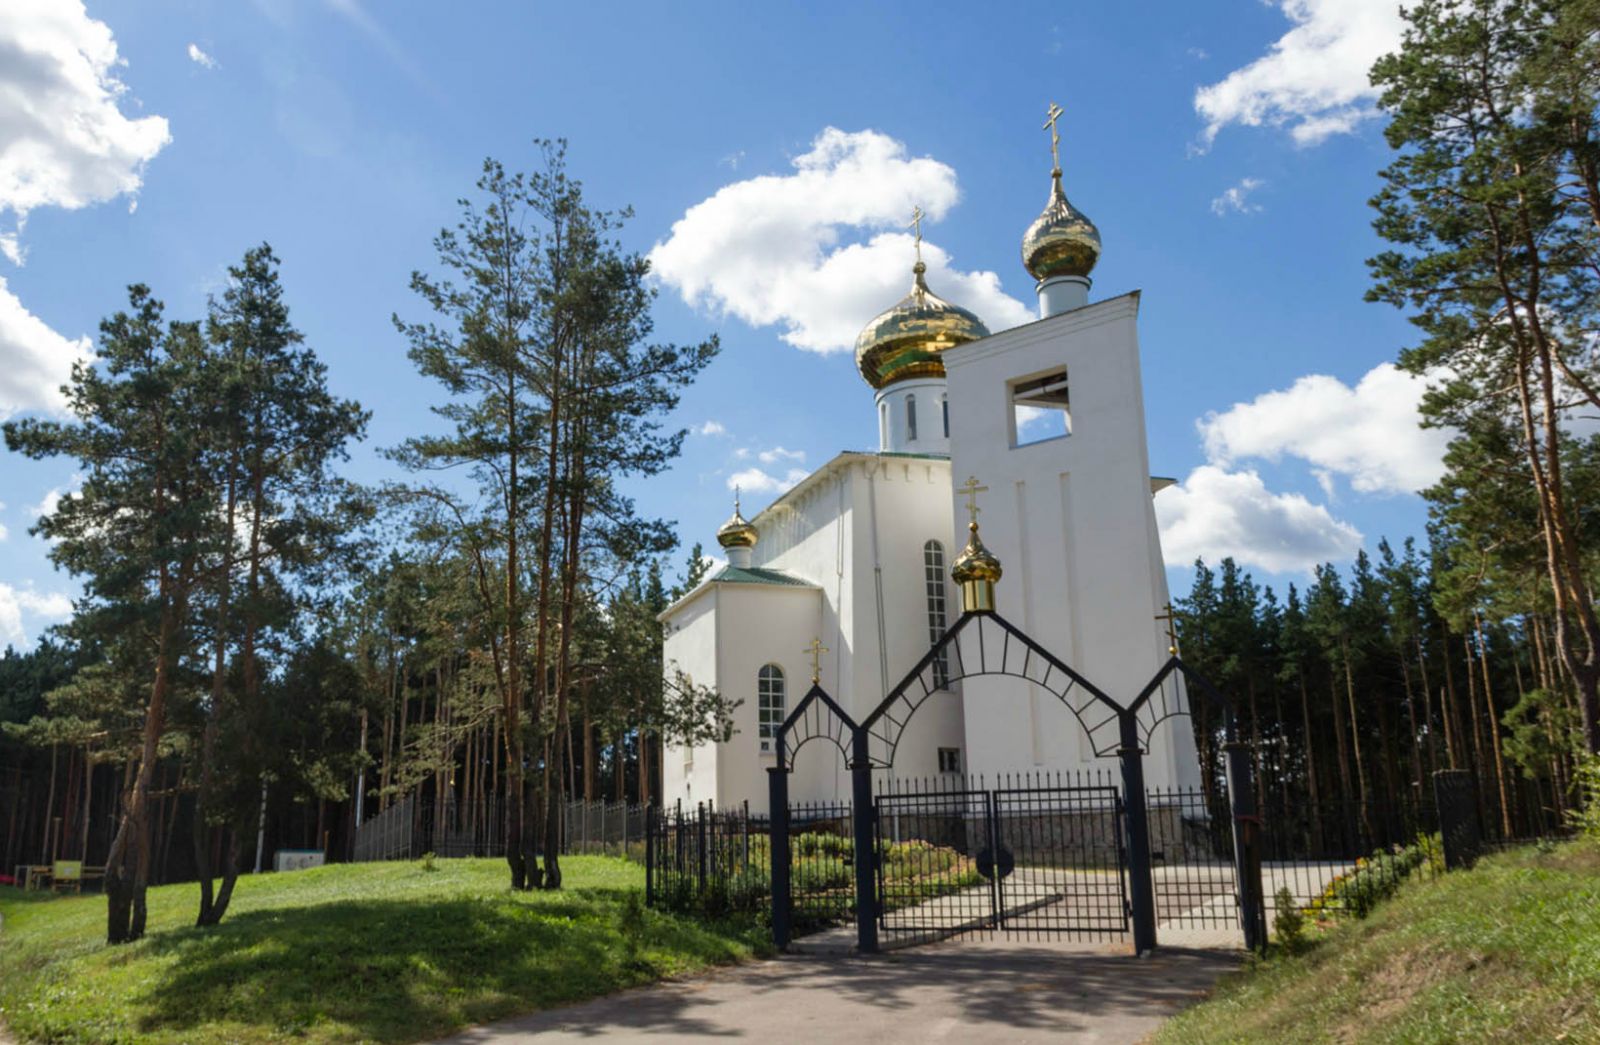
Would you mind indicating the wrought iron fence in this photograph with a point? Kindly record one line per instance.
(407, 829)
(1192, 865)
(707, 861)
(822, 890)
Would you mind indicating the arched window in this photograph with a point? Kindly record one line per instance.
(944, 411)
(769, 704)
(933, 578)
(911, 419)
(883, 425)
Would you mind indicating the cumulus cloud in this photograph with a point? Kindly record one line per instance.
(778, 454)
(4, 533)
(200, 58)
(1369, 434)
(756, 480)
(38, 607)
(38, 361)
(1237, 199)
(820, 251)
(66, 140)
(1313, 79)
(1215, 513)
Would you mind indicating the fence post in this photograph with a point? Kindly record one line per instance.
(649, 857)
(866, 858)
(1453, 795)
(1141, 888)
(1246, 842)
(700, 844)
(778, 856)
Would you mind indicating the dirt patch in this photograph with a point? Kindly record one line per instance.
(1392, 987)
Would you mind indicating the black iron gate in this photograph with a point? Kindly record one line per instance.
(1029, 858)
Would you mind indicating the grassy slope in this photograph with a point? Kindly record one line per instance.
(385, 952)
(1509, 951)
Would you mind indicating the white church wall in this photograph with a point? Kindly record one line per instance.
(1070, 519)
(911, 417)
(689, 644)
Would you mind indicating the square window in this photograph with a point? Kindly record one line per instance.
(949, 760)
(1040, 408)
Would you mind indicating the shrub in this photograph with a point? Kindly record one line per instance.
(1289, 924)
(1584, 816)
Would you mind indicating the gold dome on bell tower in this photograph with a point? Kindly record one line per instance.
(1062, 241)
(906, 340)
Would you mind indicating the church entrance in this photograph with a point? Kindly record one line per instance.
(1035, 856)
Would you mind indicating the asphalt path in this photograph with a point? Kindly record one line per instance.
(967, 991)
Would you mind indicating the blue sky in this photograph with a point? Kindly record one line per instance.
(771, 154)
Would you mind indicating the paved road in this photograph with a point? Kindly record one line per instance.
(964, 991)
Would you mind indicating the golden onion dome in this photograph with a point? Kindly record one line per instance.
(1062, 241)
(737, 532)
(905, 341)
(976, 569)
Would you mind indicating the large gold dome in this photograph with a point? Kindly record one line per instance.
(906, 340)
(1062, 241)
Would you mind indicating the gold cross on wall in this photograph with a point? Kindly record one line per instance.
(1172, 629)
(1055, 112)
(916, 225)
(816, 649)
(972, 490)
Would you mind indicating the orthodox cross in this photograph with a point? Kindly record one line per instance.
(916, 225)
(1055, 112)
(972, 490)
(1172, 629)
(816, 649)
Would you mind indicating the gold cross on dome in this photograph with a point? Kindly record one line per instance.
(816, 649)
(972, 490)
(1055, 113)
(916, 226)
(1172, 629)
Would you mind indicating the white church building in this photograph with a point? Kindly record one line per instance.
(1049, 417)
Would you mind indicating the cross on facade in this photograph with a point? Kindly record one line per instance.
(1055, 112)
(972, 490)
(916, 226)
(1172, 629)
(816, 649)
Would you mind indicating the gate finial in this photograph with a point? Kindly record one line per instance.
(975, 569)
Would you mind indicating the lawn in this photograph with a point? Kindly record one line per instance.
(1509, 951)
(366, 952)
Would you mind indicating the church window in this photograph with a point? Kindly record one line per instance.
(949, 760)
(769, 704)
(1040, 408)
(911, 419)
(944, 412)
(933, 579)
(883, 425)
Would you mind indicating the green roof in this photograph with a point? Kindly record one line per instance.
(758, 575)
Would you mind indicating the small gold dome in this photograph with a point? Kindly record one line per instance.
(737, 531)
(906, 340)
(1062, 241)
(976, 570)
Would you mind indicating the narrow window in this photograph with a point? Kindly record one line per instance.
(933, 579)
(883, 425)
(1040, 408)
(949, 760)
(911, 419)
(769, 704)
(944, 410)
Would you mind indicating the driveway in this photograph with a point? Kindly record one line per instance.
(965, 991)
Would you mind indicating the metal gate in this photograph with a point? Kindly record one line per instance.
(1027, 858)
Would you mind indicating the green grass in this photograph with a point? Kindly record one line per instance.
(1509, 951)
(365, 952)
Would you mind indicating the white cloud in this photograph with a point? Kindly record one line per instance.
(1369, 433)
(1314, 78)
(66, 140)
(15, 602)
(778, 454)
(1237, 199)
(1215, 513)
(769, 250)
(4, 533)
(200, 58)
(37, 361)
(712, 428)
(755, 480)
(11, 247)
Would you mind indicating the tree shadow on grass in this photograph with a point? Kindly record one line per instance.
(397, 971)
